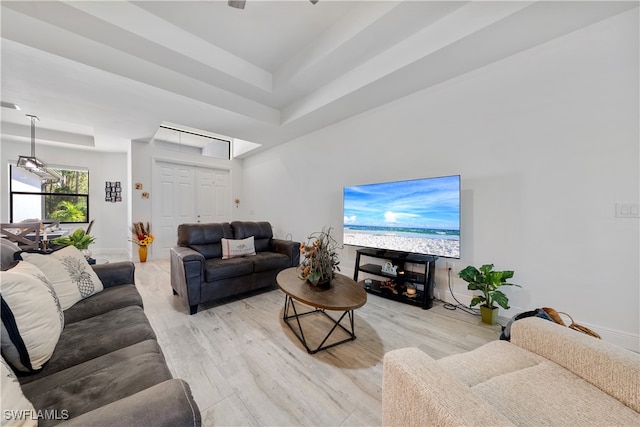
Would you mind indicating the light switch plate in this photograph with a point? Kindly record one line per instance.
(627, 210)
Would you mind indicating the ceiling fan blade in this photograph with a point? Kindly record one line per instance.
(238, 4)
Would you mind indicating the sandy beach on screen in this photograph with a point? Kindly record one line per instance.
(442, 247)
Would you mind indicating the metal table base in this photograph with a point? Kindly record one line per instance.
(289, 304)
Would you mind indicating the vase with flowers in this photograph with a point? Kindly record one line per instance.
(142, 237)
(319, 258)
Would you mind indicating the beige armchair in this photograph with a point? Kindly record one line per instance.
(547, 375)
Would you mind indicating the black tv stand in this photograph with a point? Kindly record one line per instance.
(415, 288)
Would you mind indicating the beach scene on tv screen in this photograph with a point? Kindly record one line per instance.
(419, 216)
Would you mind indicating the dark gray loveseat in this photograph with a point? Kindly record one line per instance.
(107, 368)
(199, 274)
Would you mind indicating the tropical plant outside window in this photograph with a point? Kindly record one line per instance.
(66, 201)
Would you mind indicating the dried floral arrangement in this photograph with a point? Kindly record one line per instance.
(142, 234)
(319, 257)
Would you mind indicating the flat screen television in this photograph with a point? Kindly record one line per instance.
(416, 216)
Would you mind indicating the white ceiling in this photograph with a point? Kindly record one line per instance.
(115, 70)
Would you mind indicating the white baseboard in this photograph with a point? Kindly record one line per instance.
(622, 339)
(443, 294)
(112, 254)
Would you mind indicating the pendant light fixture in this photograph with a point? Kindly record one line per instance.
(33, 164)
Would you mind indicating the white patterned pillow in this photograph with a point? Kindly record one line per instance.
(69, 272)
(16, 409)
(32, 318)
(235, 248)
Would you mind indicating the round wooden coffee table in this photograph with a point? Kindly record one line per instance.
(343, 295)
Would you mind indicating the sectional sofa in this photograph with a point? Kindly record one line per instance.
(106, 367)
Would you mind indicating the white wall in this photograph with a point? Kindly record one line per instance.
(111, 225)
(144, 154)
(546, 143)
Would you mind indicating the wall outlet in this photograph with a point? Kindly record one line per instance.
(450, 265)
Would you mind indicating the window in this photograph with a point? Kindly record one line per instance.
(65, 201)
(170, 138)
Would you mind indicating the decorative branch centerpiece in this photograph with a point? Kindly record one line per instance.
(142, 237)
(319, 258)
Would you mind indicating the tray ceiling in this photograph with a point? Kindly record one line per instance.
(268, 73)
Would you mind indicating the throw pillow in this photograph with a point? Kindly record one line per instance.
(32, 319)
(235, 248)
(16, 409)
(69, 272)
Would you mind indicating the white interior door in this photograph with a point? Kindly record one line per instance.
(172, 203)
(213, 200)
(186, 194)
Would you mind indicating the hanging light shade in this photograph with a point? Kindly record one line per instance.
(33, 164)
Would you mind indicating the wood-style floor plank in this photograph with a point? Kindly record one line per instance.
(246, 368)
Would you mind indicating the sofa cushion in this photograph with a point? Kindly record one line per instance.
(68, 271)
(502, 373)
(96, 336)
(100, 381)
(32, 318)
(488, 361)
(204, 238)
(265, 261)
(14, 400)
(89, 367)
(416, 391)
(218, 268)
(609, 367)
(171, 402)
(233, 248)
(547, 394)
(261, 231)
(108, 300)
(116, 273)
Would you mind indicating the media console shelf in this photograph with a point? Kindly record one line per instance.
(410, 287)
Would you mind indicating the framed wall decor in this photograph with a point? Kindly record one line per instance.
(112, 191)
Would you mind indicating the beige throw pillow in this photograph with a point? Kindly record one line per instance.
(32, 319)
(237, 248)
(16, 409)
(69, 272)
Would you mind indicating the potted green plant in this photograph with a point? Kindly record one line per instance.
(488, 282)
(79, 238)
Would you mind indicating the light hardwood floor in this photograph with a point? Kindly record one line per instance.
(246, 367)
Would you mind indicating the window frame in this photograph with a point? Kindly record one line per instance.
(43, 195)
